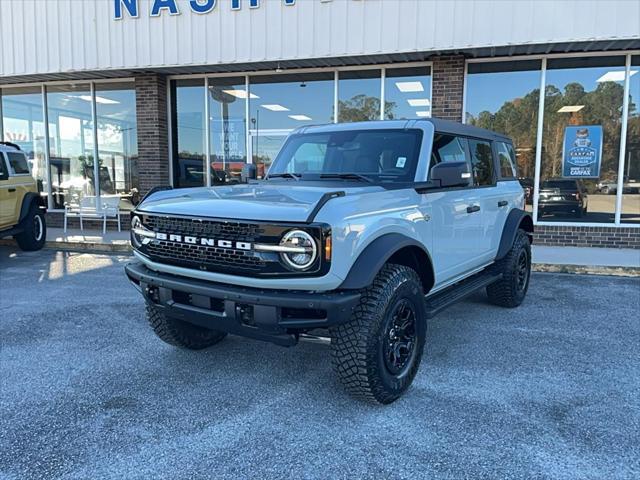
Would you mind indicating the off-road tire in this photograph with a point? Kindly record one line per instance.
(358, 354)
(509, 291)
(181, 334)
(34, 230)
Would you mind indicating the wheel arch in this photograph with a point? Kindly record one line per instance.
(517, 219)
(390, 248)
(29, 200)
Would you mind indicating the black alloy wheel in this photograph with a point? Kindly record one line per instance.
(401, 337)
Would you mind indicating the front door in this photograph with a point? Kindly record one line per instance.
(456, 217)
(265, 145)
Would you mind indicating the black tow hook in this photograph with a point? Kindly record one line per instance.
(152, 293)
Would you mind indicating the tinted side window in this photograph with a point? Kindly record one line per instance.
(18, 163)
(447, 148)
(482, 162)
(507, 158)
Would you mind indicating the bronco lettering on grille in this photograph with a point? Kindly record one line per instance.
(207, 242)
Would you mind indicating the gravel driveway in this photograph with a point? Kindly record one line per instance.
(550, 390)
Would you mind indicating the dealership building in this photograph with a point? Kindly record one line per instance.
(185, 92)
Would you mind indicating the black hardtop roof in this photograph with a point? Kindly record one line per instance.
(457, 128)
(439, 125)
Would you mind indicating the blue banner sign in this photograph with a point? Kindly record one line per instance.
(582, 151)
(131, 8)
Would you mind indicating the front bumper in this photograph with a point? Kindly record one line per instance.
(277, 316)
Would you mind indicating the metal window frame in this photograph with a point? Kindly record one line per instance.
(628, 54)
(45, 120)
(247, 76)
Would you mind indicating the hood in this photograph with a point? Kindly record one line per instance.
(281, 201)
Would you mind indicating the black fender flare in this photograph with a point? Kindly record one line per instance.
(30, 199)
(515, 219)
(374, 256)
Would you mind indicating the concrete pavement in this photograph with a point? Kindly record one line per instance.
(549, 390)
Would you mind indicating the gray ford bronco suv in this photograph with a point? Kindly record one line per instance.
(359, 232)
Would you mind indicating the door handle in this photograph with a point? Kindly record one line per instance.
(473, 208)
(12, 190)
(503, 203)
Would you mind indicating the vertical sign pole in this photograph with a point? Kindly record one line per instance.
(207, 139)
(96, 159)
(623, 140)
(536, 183)
(335, 96)
(47, 160)
(383, 76)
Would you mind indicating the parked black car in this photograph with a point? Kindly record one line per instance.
(560, 195)
(527, 186)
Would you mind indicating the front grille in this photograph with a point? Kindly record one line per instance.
(207, 257)
(245, 232)
(203, 256)
(198, 245)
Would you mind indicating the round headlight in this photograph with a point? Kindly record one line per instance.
(136, 225)
(140, 235)
(303, 250)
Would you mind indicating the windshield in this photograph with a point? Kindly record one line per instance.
(370, 155)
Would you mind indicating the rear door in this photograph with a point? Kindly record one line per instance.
(6, 208)
(509, 192)
(20, 181)
(490, 196)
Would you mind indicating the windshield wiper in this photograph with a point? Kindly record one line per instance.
(348, 176)
(295, 176)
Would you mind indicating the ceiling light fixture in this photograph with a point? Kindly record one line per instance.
(419, 102)
(571, 108)
(103, 100)
(423, 113)
(240, 94)
(615, 76)
(406, 87)
(300, 118)
(275, 107)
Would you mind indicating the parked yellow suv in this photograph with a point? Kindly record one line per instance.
(22, 209)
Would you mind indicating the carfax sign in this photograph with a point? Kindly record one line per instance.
(582, 151)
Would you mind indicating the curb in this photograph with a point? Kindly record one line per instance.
(87, 247)
(587, 269)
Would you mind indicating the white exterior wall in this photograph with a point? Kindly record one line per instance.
(54, 36)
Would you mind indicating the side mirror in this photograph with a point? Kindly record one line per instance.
(249, 172)
(450, 174)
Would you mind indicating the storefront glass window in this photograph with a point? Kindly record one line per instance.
(188, 124)
(280, 103)
(71, 155)
(582, 123)
(22, 123)
(631, 187)
(359, 96)
(227, 128)
(118, 142)
(407, 93)
(504, 97)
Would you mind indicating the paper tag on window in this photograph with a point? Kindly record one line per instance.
(400, 162)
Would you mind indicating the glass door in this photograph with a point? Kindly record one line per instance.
(265, 145)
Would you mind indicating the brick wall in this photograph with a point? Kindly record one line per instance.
(448, 83)
(153, 135)
(610, 237)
